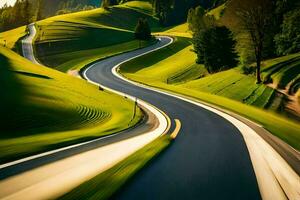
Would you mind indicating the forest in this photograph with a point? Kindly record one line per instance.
(26, 11)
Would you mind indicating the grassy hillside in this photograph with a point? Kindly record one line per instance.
(180, 30)
(11, 38)
(157, 67)
(174, 69)
(88, 30)
(44, 109)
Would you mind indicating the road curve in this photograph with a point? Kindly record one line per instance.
(209, 158)
(27, 47)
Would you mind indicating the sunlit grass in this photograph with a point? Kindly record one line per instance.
(55, 110)
(11, 38)
(90, 30)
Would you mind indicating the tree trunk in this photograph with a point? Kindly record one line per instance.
(258, 65)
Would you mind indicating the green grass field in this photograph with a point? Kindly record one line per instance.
(174, 70)
(45, 109)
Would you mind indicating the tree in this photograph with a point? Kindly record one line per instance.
(215, 48)
(254, 16)
(142, 30)
(288, 40)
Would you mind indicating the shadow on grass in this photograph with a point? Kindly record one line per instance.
(32, 74)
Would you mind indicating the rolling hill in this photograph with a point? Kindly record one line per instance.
(44, 109)
(62, 38)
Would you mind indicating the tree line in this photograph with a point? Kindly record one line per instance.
(23, 12)
(251, 30)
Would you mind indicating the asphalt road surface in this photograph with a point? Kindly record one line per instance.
(208, 160)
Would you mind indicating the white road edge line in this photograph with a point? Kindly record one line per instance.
(276, 179)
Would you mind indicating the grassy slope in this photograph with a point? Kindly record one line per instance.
(184, 73)
(77, 59)
(91, 34)
(230, 84)
(12, 37)
(181, 30)
(52, 109)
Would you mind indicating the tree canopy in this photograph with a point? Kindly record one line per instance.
(215, 48)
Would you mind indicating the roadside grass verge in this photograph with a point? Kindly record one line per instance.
(230, 89)
(104, 185)
(43, 109)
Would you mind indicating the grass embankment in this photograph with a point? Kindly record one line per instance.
(44, 109)
(106, 184)
(11, 39)
(229, 89)
(90, 35)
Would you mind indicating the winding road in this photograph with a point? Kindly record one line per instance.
(215, 156)
(208, 160)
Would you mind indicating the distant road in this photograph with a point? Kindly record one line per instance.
(27, 47)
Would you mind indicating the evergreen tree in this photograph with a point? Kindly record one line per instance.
(215, 48)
